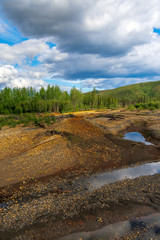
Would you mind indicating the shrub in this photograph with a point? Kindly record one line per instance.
(1, 109)
(157, 105)
(152, 108)
(12, 123)
(47, 120)
(36, 121)
(6, 111)
(53, 118)
(131, 107)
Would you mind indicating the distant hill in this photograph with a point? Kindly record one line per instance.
(141, 92)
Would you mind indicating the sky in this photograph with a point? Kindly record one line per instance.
(83, 43)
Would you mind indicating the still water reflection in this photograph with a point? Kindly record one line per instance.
(143, 228)
(136, 137)
(99, 180)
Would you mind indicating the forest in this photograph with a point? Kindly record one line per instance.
(52, 99)
(137, 96)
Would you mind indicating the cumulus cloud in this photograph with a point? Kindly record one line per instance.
(19, 52)
(89, 69)
(98, 43)
(103, 27)
(141, 61)
(110, 83)
(12, 77)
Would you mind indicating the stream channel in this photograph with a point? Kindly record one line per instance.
(147, 227)
(98, 180)
(142, 228)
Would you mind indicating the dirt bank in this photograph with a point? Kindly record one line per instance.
(79, 144)
(39, 192)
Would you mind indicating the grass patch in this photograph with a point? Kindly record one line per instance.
(25, 119)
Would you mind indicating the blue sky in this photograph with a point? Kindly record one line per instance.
(10, 34)
(86, 44)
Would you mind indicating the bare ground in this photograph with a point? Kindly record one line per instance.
(38, 167)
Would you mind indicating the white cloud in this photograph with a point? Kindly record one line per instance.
(52, 55)
(109, 27)
(97, 41)
(110, 83)
(142, 60)
(18, 53)
(12, 77)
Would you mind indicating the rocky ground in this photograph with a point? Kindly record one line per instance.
(42, 192)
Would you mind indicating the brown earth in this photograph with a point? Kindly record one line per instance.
(81, 143)
(32, 160)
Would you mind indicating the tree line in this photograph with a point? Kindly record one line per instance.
(51, 99)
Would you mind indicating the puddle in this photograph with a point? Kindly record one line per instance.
(136, 137)
(99, 180)
(142, 228)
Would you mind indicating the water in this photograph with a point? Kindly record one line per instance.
(96, 181)
(136, 137)
(99, 180)
(142, 229)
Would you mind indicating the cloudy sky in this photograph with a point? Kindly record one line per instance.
(83, 43)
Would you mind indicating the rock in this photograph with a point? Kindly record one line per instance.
(99, 219)
(154, 130)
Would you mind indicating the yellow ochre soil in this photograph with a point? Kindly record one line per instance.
(42, 192)
(88, 142)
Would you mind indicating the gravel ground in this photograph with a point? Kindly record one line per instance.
(31, 214)
(53, 199)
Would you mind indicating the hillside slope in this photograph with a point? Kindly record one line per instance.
(137, 92)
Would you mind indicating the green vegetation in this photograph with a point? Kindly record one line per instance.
(149, 105)
(137, 96)
(52, 99)
(26, 119)
(138, 93)
(21, 105)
